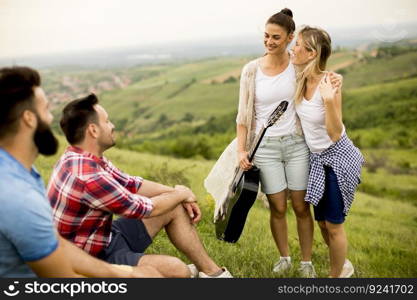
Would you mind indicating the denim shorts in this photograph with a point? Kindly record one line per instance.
(330, 207)
(284, 163)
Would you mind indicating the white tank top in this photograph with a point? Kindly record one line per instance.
(312, 116)
(269, 92)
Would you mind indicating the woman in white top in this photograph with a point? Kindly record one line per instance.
(335, 162)
(283, 156)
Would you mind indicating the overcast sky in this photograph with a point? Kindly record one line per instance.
(29, 27)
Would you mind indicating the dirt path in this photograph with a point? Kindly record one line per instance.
(222, 77)
(342, 65)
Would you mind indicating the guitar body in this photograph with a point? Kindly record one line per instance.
(241, 200)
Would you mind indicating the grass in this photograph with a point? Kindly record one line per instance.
(381, 104)
(395, 158)
(381, 232)
(391, 174)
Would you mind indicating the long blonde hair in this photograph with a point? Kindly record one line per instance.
(315, 39)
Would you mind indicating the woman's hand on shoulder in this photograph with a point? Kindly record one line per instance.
(336, 80)
(327, 90)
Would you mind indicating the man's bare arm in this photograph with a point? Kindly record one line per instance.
(55, 264)
(152, 189)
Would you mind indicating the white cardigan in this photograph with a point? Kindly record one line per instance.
(220, 177)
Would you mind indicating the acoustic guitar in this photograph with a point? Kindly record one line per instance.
(243, 189)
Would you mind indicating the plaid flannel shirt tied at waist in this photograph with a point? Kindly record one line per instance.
(346, 161)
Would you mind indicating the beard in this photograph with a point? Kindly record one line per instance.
(44, 139)
(107, 145)
(109, 142)
(113, 139)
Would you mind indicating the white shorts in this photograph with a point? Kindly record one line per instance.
(283, 162)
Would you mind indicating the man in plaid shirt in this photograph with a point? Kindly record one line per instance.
(86, 189)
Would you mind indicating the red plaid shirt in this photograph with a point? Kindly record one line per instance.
(85, 191)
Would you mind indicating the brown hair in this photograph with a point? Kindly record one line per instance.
(283, 19)
(76, 116)
(318, 40)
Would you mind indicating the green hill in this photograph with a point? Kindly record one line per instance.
(193, 94)
(374, 70)
(167, 100)
(178, 91)
(383, 115)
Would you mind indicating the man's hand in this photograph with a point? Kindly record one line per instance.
(188, 194)
(168, 201)
(193, 211)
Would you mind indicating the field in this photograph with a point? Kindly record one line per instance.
(381, 231)
(174, 120)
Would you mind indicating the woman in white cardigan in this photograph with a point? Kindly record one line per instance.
(283, 156)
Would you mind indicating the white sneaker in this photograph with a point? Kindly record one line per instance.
(307, 271)
(282, 266)
(224, 274)
(193, 270)
(347, 270)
